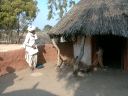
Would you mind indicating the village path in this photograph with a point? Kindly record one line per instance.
(48, 82)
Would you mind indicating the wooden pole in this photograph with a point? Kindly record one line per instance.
(79, 57)
(59, 60)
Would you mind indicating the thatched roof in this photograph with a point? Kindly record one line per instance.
(95, 17)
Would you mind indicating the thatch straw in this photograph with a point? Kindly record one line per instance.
(95, 17)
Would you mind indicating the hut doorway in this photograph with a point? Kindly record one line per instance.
(112, 50)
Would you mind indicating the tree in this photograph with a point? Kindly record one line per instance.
(38, 29)
(47, 27)
(11, 11)
(15, 13)
(59, 5)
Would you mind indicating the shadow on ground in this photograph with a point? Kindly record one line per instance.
(110, 82)
(1, 59)
(29, 92)
(41, 59)
(7, 80)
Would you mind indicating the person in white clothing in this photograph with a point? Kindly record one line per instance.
(30, 46)
(98, 59)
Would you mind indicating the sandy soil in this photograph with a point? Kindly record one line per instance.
(9, 47)
(48, 82)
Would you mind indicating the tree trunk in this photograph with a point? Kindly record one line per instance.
(78, 58)
(19, 37)
(58, 53)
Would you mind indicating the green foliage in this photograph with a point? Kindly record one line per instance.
(47, 28)
(11, 11)
(58, 7)
(38, 29)
(15, 15)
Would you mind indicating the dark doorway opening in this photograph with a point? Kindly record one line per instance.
(112, 50)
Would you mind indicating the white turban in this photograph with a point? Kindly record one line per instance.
(31, 28)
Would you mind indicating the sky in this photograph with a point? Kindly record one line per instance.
(41, 19)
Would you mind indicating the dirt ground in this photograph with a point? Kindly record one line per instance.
(48, 82)
(9, 47)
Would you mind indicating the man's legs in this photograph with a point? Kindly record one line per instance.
(34, 60)
(31, 60)
(27, 57)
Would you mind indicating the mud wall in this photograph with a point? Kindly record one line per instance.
(86, 59)
(11, 61)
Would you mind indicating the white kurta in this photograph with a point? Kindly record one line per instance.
(30, 40)
(30, 52)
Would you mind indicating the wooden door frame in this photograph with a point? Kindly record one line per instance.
(124, 55)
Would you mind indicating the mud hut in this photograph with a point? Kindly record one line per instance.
(95, 23)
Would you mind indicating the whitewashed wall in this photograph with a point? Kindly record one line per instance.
(87, 50)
